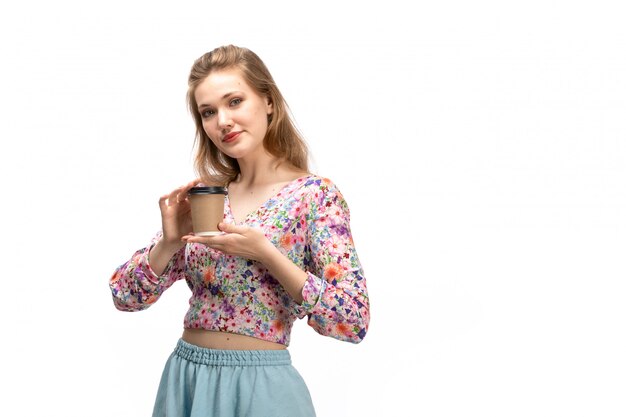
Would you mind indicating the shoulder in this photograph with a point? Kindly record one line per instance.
(319, 184)
(321, 192)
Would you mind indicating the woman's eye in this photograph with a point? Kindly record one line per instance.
(235, 101)
(207, 113)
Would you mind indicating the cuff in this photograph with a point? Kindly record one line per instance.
(312, 292)
(143, 262)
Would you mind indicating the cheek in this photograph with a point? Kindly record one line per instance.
(260, 118)
(210, 141)
(208, 129)
(211, 138)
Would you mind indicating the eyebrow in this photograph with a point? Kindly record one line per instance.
(225, 96)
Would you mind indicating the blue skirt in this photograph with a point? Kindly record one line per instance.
(200, 382)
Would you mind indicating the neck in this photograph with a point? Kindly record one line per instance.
(260, 170)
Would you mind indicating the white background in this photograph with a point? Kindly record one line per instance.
(481, 146)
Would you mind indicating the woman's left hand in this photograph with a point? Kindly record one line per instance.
(244, 241)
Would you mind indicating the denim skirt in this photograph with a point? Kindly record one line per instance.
(200, 382)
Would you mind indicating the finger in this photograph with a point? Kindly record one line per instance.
(163, 201)
(191, 184)
(183, 192)
(207, 241)
(194, 182)
(192, 237)
(232, 228)
(174, 196)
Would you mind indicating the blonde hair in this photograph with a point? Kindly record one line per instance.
(282, 138)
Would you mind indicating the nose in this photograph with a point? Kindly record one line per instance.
(224, 119)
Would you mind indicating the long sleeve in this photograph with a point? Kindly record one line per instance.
(135, 286)
(335, 293)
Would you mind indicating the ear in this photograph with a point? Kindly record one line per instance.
(269, 105)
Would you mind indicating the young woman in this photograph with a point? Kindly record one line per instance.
(286, 253)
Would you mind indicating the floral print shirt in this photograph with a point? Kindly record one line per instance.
(308, 221)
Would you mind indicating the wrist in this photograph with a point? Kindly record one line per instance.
(168, 247)
(286, 272)
(160, 255)
(269, 254)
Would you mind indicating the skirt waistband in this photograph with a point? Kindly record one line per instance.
(218, 357)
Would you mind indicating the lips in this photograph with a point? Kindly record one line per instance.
(230, 137)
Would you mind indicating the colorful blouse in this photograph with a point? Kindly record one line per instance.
(308, 221)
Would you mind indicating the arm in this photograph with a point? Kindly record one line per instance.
(135, 285)
(334, 294)
(138, 283)
(251, 243)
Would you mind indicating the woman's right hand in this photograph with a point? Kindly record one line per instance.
(176, 215)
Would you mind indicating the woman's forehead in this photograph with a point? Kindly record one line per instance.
(220, 83)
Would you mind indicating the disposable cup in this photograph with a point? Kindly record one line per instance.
(207, 209)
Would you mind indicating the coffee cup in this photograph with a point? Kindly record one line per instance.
(207, 209)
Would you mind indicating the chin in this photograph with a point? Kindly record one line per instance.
(238, 152)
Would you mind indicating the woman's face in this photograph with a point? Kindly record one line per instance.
(234, 116)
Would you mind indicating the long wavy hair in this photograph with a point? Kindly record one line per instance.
(282, 140)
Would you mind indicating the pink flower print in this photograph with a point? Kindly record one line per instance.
(277, 326)
(116, 276)
(287, 241)
(344, 329)
(336, 245)
(208, 276)
(333, 271)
